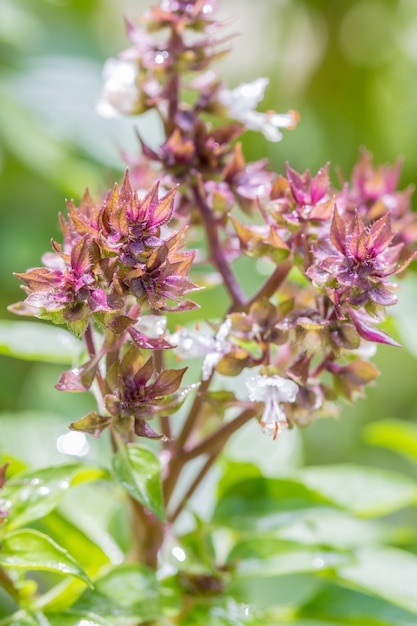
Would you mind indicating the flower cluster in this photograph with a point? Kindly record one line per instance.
(118, 266)
(302, 339)
(173, 48)
(114, 255)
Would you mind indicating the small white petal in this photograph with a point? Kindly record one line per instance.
(209, 363)
(120, 93)
(154, 326)
(246, 96)
(191, 344)
(224, 330)
(272, 390)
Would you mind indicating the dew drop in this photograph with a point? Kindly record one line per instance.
(179, 554)
(73, 443)
(160, 57)
(318, 562)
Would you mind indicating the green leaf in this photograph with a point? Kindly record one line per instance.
(396, 435)
(77, 619)
(56, 619)
(335, 603)
(32, 550)
(34, 494)
(365, 491)
(389, 573)
(265, 503)
(83, 548)
(88, 543)
(273, 557)
(332, 528)
(138, 470)
(127, 592)
(33, 341)
(220, 611)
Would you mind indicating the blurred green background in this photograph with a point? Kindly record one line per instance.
(348, 66)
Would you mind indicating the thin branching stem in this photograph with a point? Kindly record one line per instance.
(194, 485)
(219, 437)
(217, 254)
(211, 446)
(272, 284)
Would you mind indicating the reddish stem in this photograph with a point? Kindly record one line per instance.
(217, 253)
(272, 284)
(212, 446)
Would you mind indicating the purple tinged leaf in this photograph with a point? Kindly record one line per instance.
(322, 211)
(80, 256)
(167, 383)
(148, 152)
(380, 236)
(118, 324)
(383, 296)
(320, 184)
(299, 183)
(41, 278)
(360, 372)
(126, 193)
(144, 374)
(338, 232)
(98, 301)
(307, 189)
(357, 239)
(185, 305)
(78, 378)
(92, 423)
(147, 343)
(142, 429)
(112, 404)
(370, 333)
(147, 206)
(131, 361)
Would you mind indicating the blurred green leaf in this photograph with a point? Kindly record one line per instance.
(265, 503)
(31, 145)
(76, 619)
(355, 607)
(389, 573)
(231, 615)
(330, 527)
(274, 557)
(128, 593)
(138, 470)
(88, 554)
(32, 341)
(86, 539)
(56, 619)
(32, 550)
(396, 435)
(34, 494)
(366, 491)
